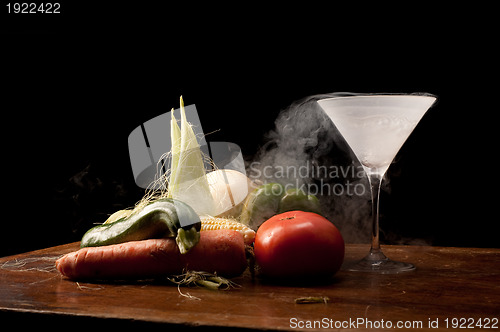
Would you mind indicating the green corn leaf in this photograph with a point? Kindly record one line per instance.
(175, 136)
(187, 181)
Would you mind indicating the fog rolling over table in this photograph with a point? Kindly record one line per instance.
(448, 283)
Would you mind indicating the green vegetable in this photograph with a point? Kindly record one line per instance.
(271, 198)
(261, 204)
(162, 218)
(187, 181)
(297, 199)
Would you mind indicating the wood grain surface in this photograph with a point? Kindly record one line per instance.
(448, 283)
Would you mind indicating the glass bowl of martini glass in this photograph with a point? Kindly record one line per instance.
(375, 126)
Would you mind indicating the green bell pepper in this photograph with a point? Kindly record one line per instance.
(272, 198)
(297, 199)
(161, 218)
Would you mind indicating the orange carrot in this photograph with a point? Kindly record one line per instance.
(220, 251)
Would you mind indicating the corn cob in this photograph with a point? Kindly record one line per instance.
(209, 223)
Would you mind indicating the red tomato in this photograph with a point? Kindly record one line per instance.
(298, 244)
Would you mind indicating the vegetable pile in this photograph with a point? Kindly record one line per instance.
(206, 222)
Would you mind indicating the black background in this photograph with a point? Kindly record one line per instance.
(75, 85)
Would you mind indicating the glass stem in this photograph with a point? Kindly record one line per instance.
(375, 180)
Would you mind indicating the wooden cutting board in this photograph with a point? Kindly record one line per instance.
(449, 286)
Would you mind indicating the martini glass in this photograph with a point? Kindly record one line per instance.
(375, 126)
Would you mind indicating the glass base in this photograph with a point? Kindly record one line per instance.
(377, 262)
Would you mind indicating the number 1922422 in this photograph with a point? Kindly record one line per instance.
(34, 8)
